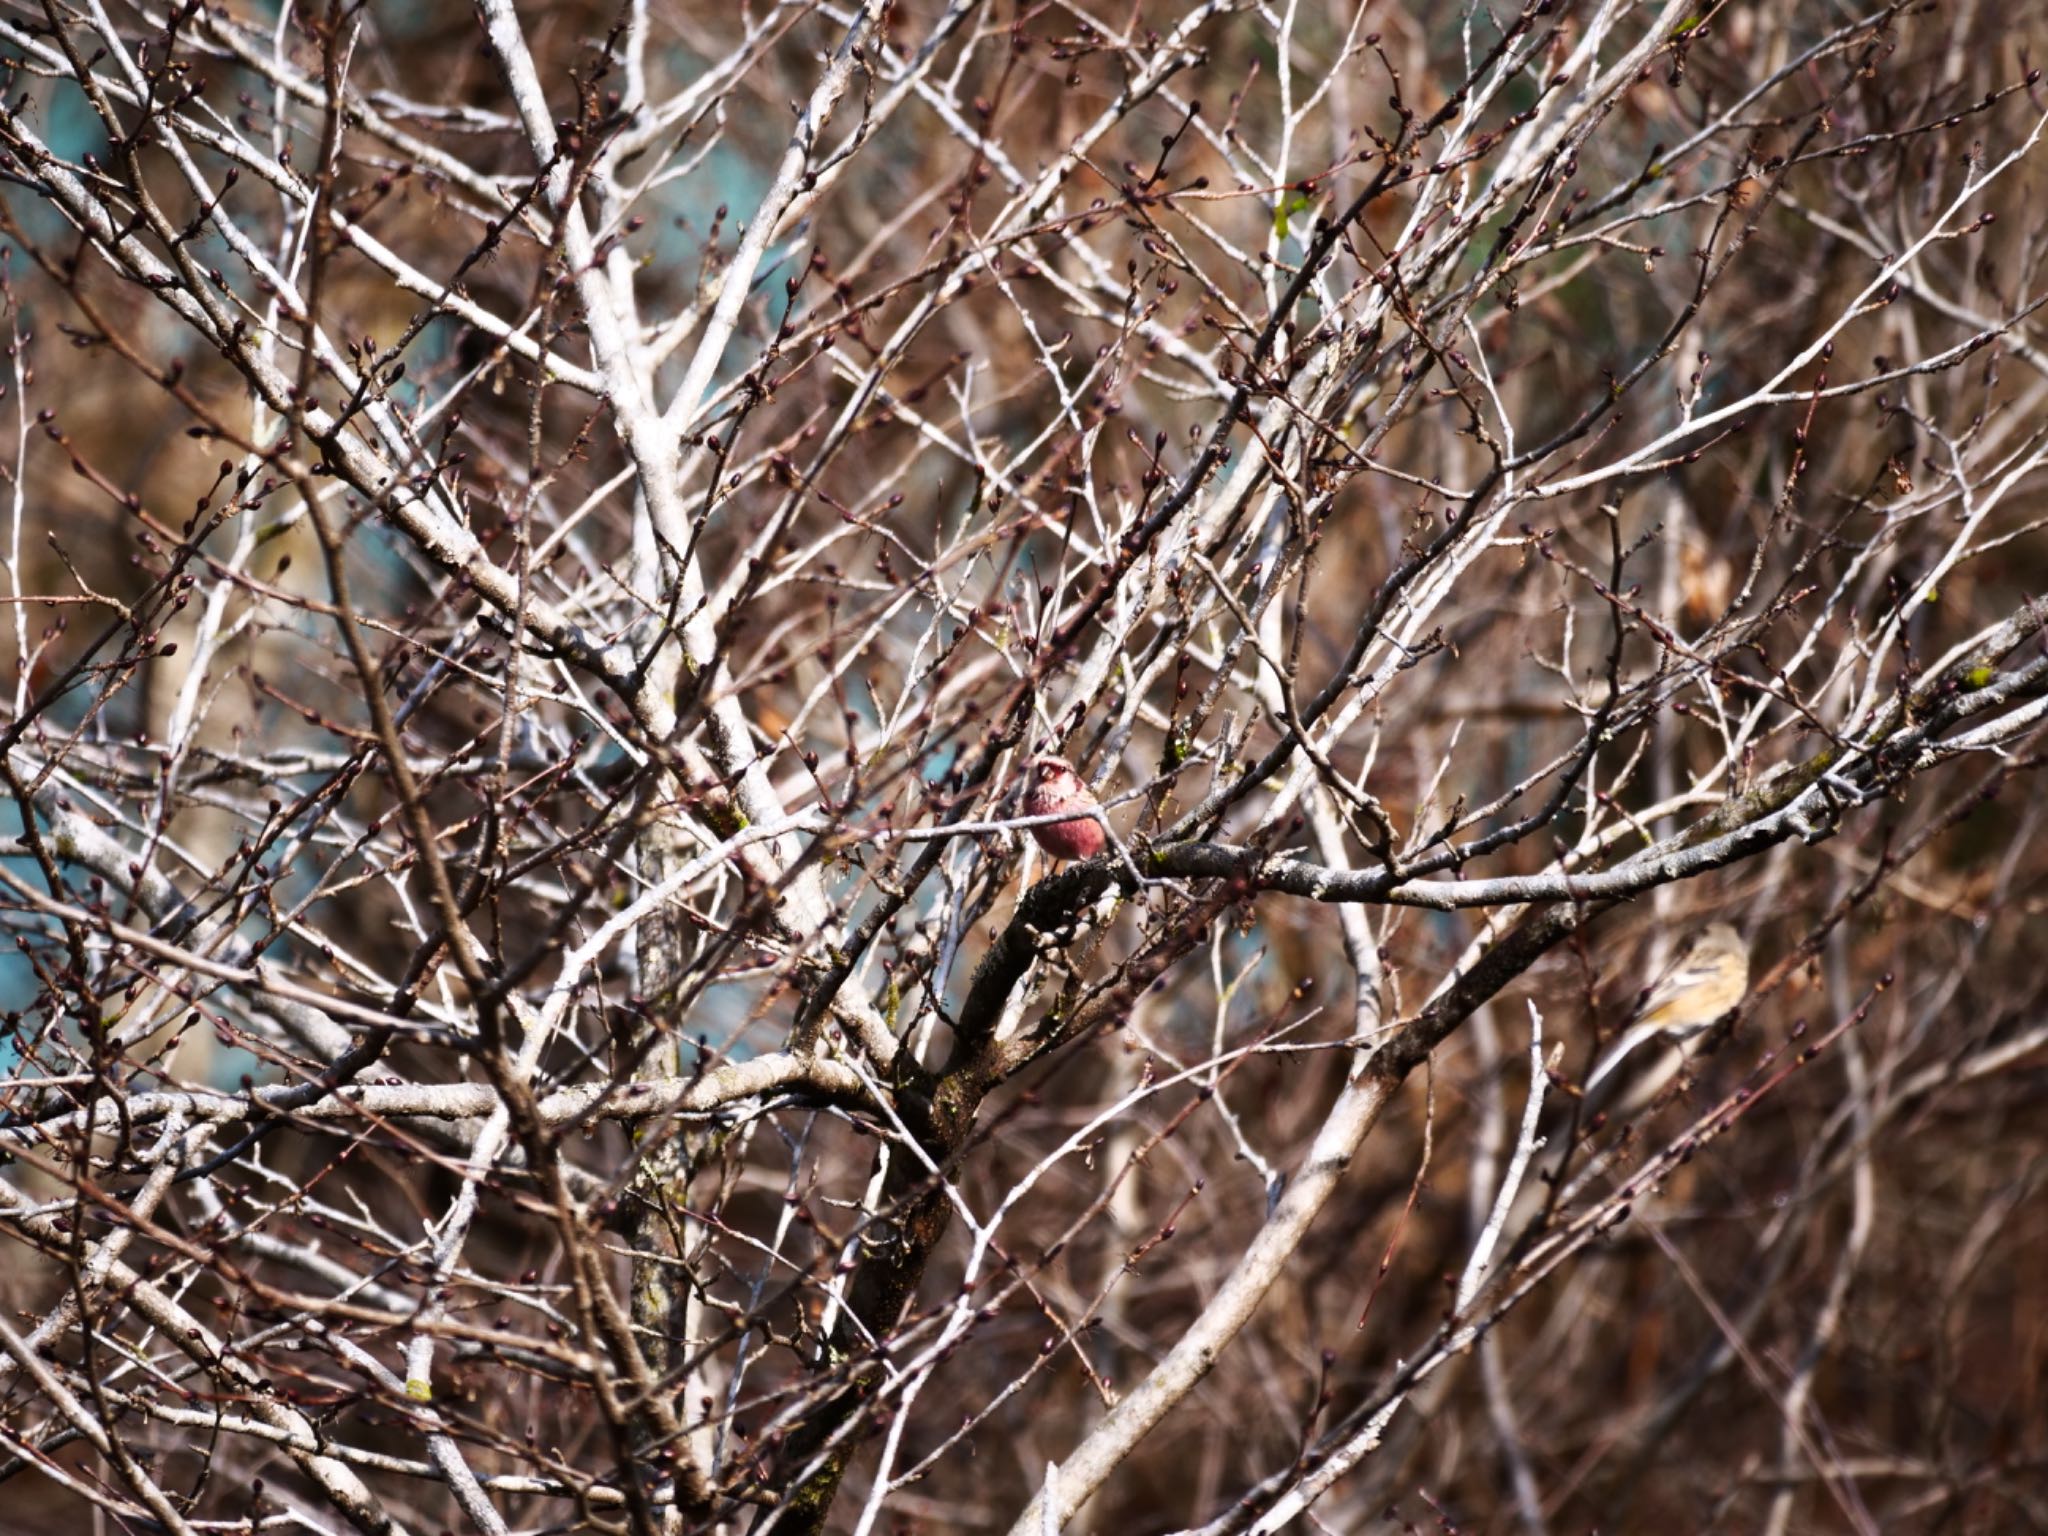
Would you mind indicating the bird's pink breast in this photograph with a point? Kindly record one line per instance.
(1070, 839)
(1079, 839)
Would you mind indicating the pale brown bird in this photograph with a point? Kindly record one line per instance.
(1707, 978)
(1703, 982)
(1054, 786)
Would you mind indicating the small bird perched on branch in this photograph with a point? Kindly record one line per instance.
(1054, 786)
(1706, 979)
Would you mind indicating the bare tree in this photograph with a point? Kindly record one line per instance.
(544, 542)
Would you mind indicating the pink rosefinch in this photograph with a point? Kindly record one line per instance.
(1056, 787)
